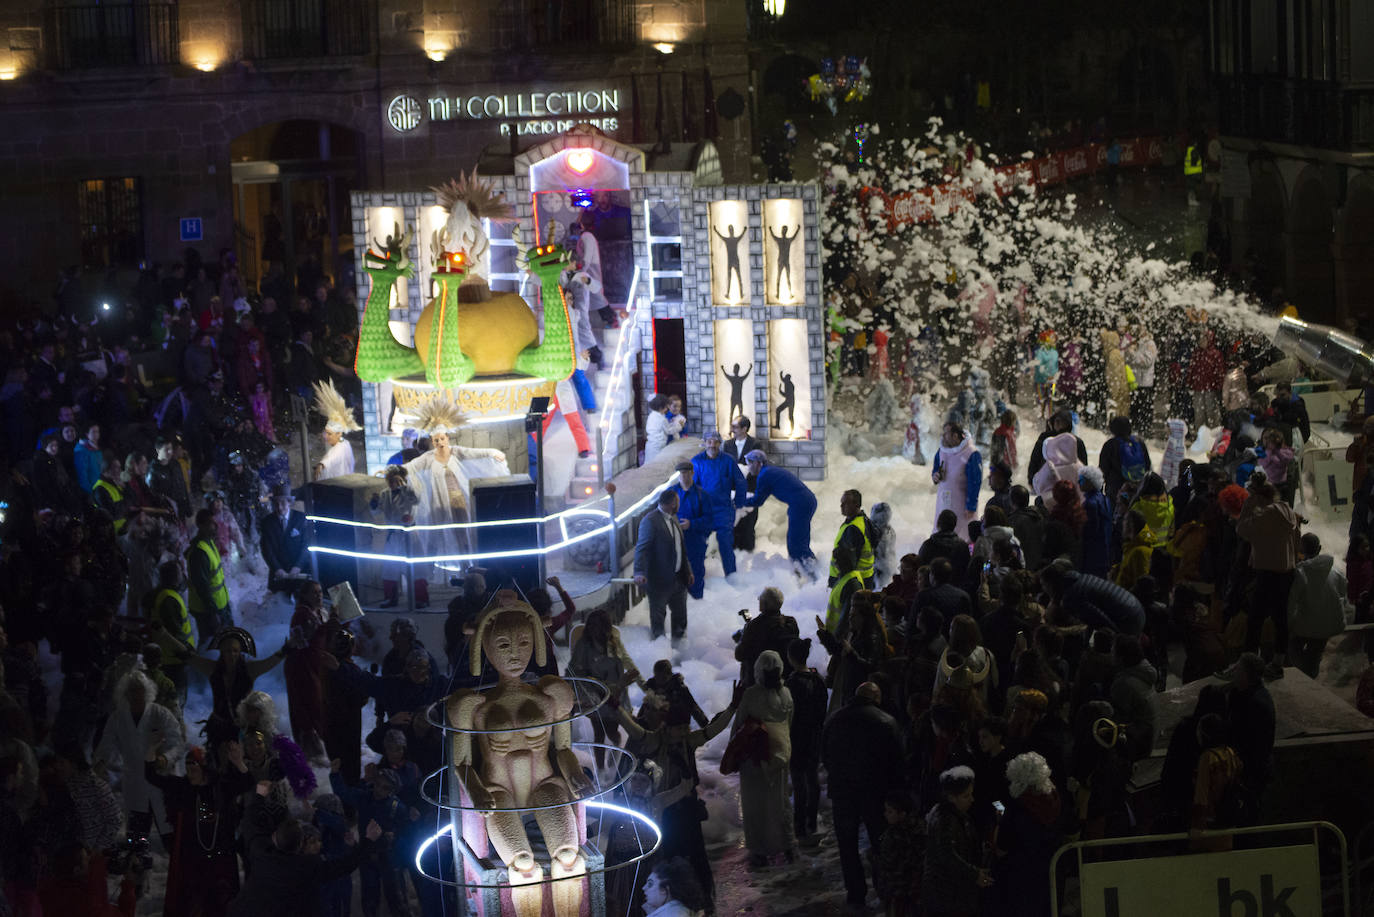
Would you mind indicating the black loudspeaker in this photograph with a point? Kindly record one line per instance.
(345, 497)
(509, 497)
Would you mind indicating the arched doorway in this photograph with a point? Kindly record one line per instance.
(1311, 284)
(292, 181)
(1266, 211)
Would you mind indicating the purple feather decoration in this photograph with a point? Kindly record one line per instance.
(294, 765)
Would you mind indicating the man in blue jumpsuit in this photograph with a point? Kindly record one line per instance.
(773, 481)
(694, 512)
(720, 477)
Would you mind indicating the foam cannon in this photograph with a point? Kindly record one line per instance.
(1334, 353)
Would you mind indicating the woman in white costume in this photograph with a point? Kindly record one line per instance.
(441, 480)
(338, 420)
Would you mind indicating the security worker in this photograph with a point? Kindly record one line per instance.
(208, 593)
(1192, 172)
(845, 585)
(171, 622)
(694, 514)
(108, 493)
(856, 533)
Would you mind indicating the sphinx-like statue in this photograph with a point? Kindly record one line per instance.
(506, 769)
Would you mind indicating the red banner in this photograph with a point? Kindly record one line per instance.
(931, 203)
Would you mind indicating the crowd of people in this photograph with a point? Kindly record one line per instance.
(970, 706)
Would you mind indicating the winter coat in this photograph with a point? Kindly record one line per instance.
(1135, 559)
(1272, 531)
(1097, 533)
(949, 546)
(1037, 454)
(1141, 358)
(1061, 464)
(1317, 609)
(1100, 603)
(1118, 389)
(1275, 464)
(1004, 447)
(1159, 516)
(1206, 369)
(1133, 700)
(284, 884)
(1029, 526)
(861, 748)
(949, 880)
(809, 702)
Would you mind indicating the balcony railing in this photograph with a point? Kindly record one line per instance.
(116, 35)
(1310, 113)
(307, 28)
(570, 24)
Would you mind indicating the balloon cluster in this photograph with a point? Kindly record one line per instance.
(849, 80)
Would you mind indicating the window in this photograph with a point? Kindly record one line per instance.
(115, 34)
(111, 214)
(306, 28)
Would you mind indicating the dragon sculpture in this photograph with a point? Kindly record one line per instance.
(466, 330)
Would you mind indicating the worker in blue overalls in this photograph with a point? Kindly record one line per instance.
(694, 513)
(772, 481)
(720, 477)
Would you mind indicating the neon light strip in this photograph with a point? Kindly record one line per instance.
(591, 803)
(386, 527)
(491, 555)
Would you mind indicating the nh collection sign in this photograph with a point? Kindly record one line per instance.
(531, 112)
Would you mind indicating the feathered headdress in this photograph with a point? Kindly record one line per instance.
(338, 417)
(439, 415)
(483, 200)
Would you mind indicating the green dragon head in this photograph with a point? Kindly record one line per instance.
(392, 258)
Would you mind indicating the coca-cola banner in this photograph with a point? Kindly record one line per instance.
(912, 207)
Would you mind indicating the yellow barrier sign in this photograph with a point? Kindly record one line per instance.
(1269, 882)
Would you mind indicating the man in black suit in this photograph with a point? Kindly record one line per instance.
(283, 543)
(661, 566)
(737, 447)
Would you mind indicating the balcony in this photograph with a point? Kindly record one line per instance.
(572, 23)
(116, 35)
(1304, 112)
(275, 29)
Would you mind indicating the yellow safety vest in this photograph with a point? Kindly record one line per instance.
(116, 495)
(1192, 162)
(180, 628)
(834, 607)
(219, 593)
(865, 559)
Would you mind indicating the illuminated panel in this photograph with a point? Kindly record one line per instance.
(789, 381)
(383, 222)
(729, 253)
(784, 257)
(735, 371)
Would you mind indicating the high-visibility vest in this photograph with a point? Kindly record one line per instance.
(180, 626)
(865, 558)
(219, 593)
(834, 606)
(1192, 162)
(116, 495)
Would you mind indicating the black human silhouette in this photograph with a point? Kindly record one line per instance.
(732, 269)
(784, 243)
(788, 391)
(736, 390)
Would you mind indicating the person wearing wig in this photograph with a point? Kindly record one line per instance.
(231, 677)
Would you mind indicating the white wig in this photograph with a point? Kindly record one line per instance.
(135, 676)
(1029, 771)
(263, 703)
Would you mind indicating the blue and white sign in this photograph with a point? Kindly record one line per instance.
(191, 230)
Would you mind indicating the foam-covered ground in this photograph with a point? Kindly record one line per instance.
(706, 656)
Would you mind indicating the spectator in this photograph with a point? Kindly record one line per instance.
(1270, 527)
(952, 877)
(1317, 608)
(763, 784)
(771, 630)
(808, 720)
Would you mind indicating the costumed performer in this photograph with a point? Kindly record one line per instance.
(440, 479)
(774, 481)
(338, 420)
(958, 477)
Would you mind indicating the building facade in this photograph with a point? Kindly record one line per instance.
(134, 130)
(1293, 85)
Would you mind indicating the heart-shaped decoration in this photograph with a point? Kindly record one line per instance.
(580, 160)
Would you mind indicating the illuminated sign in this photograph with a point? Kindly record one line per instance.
(784, 261)
(542, 112)
(729, 253)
